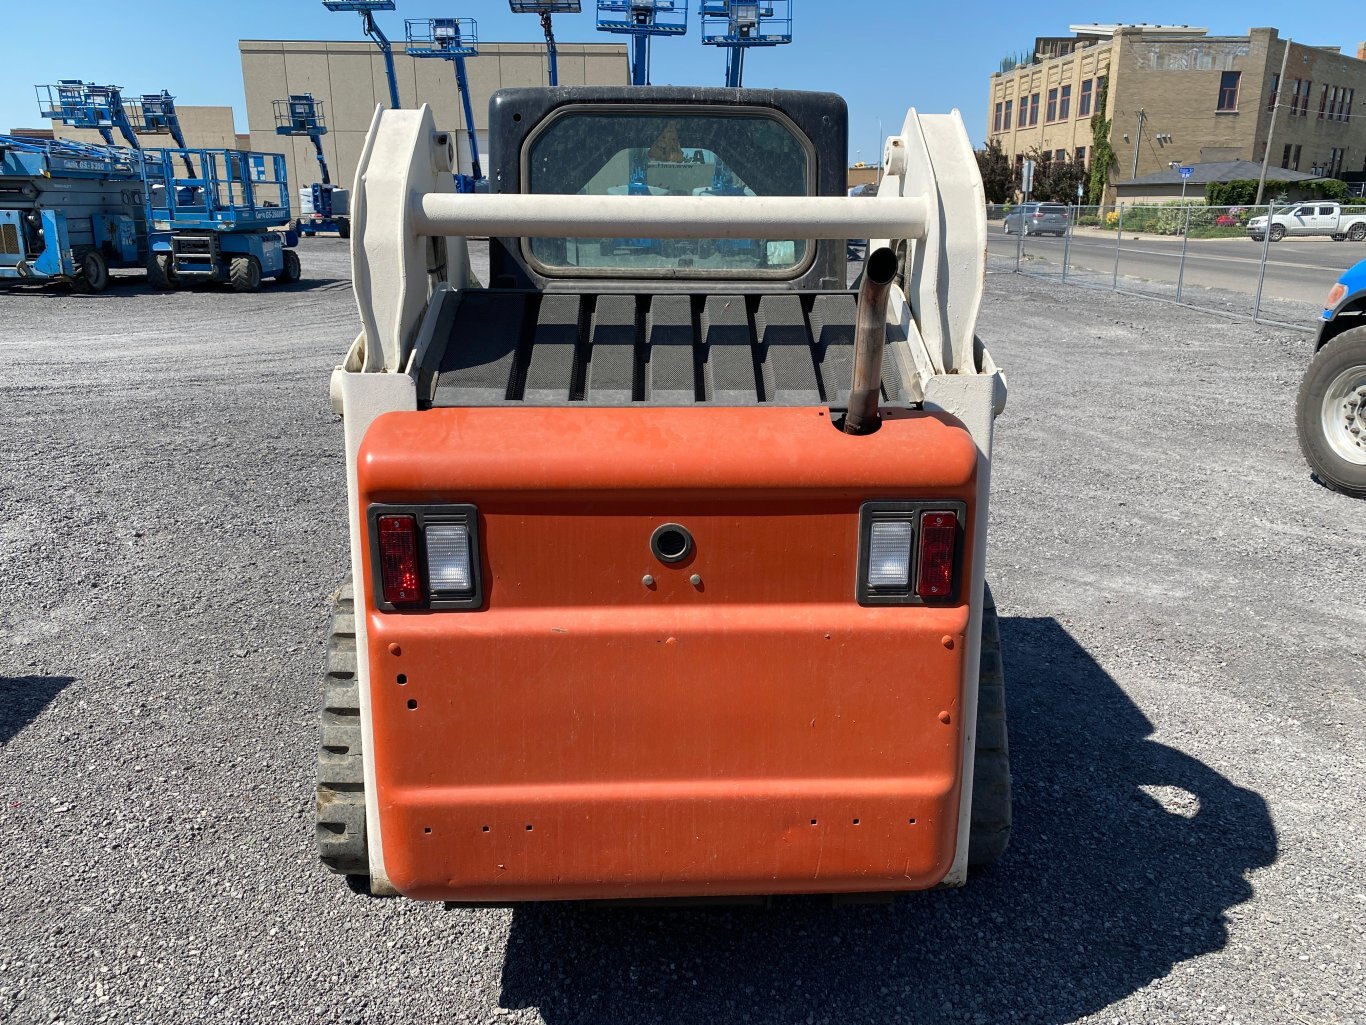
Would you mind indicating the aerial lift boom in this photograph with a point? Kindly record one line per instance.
(642, 20)
(546, 8)
(367, 9)
(738, 25)
(452, 39)
(323, 206)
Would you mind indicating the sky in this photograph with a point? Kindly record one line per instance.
(882, 57)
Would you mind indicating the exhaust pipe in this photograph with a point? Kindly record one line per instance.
(870, 334)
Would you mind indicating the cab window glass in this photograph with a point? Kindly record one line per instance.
(708, 153)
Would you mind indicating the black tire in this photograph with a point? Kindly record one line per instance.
(161, 272)
(1277, 232)
(989, 834)
(1340, 366)
(244, 274)
(93, 274)
(1339, 237)
(341, 775)
(344, 227)
(1356, 232)
(292, 270)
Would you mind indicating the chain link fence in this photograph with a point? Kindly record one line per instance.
(1217, 259)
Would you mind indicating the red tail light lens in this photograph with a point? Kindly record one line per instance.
(398, 565)
(938, 552)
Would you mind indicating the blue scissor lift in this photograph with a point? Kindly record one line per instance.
(218, 225)
(642, 20)
(737, 25)
(452, 39)
(547, 9)
(324, 206)
(366, 9)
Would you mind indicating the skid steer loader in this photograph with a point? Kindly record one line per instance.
(667, 545)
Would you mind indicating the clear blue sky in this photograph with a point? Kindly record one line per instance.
(881, 56)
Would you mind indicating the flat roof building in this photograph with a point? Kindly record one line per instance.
(348, 77)
(1174, 93)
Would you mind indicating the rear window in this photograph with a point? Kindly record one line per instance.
(683, 152)
(1052, 208)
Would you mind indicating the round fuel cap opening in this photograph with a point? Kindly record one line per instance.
(671, 542)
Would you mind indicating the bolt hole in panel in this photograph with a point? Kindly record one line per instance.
(672, 740)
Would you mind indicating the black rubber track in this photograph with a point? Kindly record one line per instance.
(990, 832)
(341, 774)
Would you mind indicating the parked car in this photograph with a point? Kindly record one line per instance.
(1330, 412)
(1311, 219)
(1038, 219)
(858, 247)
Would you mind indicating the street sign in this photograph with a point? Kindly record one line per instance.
(1027, 177)
(1186, 172)
(1080, 190)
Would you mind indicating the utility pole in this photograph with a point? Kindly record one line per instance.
(1138, 139)
(1271, 128)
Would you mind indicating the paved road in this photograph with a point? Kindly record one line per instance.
(1300, 270)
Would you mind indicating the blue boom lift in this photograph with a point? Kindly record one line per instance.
(366, 9)
(737, 25)
(69, 211)
(217, 225)
(546, 9)
(642, 20)
(452, 39)
(324, 207)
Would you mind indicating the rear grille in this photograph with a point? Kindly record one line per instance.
(670, 349)
(9, 240)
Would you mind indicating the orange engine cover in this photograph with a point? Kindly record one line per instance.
(739, 725)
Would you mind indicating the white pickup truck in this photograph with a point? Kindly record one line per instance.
(1316, 218)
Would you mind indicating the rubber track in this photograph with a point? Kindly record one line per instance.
(990, 831)
(341, 776)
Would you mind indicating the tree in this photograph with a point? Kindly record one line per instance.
(998, 177)
(1102, 155)
(1056, 181)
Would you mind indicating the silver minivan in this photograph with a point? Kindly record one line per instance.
(1038, 219)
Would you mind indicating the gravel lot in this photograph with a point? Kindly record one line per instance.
(1183, 635)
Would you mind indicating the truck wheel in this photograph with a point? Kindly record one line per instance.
(94, 273)
(344, 227)
(292, 271)
(1277, 232)
(244, 273)
(341, 777)
(989, 834)
(1357, 232)
(161, 272)
(1330, 414)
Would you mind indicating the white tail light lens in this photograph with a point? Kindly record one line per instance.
(889, 554)
(448, 559)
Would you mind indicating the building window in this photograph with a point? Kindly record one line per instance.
(1228, 90)
(1064, 103)
(996, 119)
(1059, 155)
(1084, 100)
(1347, 104)
(1033, 110)
(1295, 159)
(1271, 96)
(1052, 114)
(1285, 157)
(1081, 156)
(1323, 100)
(1005, 122)
(1299, 103)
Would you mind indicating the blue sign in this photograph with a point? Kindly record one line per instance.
(1186, 171)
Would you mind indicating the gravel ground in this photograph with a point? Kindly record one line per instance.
(1182, 638)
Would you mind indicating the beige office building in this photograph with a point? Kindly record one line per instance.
(348, 77)
(1174, 93)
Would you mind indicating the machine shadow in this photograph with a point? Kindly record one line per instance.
(23, 698)
(1125, 856)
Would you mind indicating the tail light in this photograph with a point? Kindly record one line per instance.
(399, 578)
(938, 552)
(910, 553)
(425, 557)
